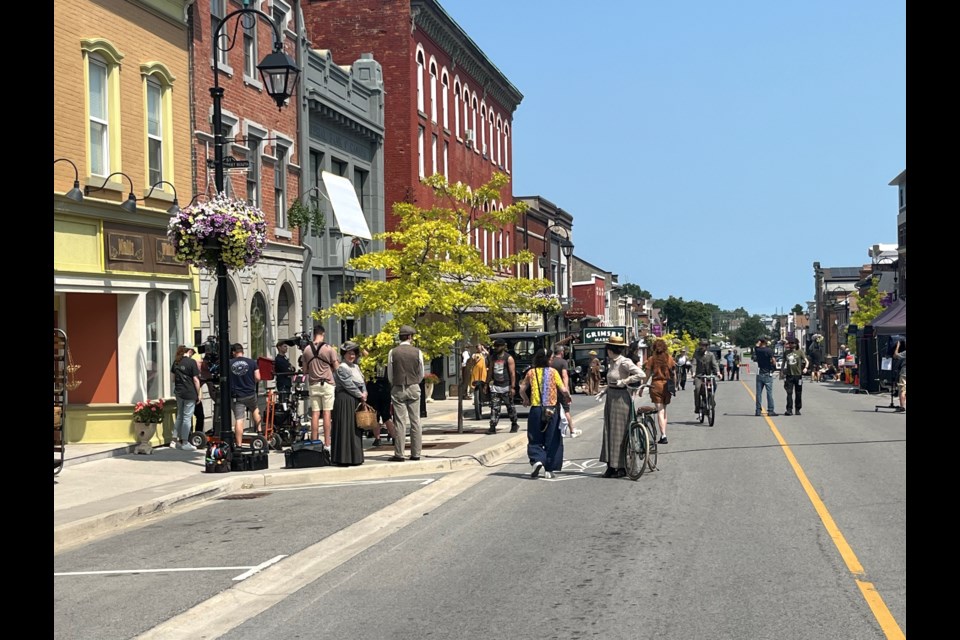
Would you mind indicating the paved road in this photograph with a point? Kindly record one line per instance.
(785, 527)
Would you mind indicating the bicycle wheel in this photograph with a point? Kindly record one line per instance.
(637, 446)
(703, 402)
(712, 409)
(653, 434)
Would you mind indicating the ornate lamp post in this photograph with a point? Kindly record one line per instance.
(566, 246)
(279, 73)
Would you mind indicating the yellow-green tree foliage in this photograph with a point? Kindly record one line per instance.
(675, 342)
(869, 306)
(437, 280)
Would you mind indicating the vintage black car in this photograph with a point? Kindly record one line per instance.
(522, 345)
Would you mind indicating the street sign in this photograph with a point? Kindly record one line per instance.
(232, 163)
(595, 335)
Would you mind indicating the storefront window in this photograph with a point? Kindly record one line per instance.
(258, 325)
(154, 305)
(176, 336)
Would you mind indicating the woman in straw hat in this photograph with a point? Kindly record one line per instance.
(621, 371)
(346, 440)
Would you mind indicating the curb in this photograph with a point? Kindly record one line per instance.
(84, 530)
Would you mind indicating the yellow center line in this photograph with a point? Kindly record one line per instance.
(879, 608)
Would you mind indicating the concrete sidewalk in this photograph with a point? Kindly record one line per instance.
(103, 488)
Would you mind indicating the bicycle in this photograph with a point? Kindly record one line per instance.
(708, 402)
(642, 436)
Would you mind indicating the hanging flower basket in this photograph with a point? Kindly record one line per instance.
(220, 229)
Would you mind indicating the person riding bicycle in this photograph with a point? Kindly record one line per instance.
(705, 363)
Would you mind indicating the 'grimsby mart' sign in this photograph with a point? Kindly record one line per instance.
(594, 335)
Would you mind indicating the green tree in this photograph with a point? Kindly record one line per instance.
(869, 306)
(634, 290)
(751, 330)
(437, 279)
(796, 309)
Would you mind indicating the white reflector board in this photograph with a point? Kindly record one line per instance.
(346, 207)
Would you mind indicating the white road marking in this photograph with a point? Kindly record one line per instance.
(259, 567)
(128, 571)
(354, 483)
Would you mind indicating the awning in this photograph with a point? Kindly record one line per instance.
(892, 320)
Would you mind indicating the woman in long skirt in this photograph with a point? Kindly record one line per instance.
(621, 371)
(346, 440)
(541, 390)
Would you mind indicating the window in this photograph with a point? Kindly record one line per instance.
(338, 167)
(153, 332)
(253, 173)
(433, 91)
(499, 142)
(473, 120)
(490, 121)
(280, 186)
(433, 150)
(466, 110)
(154, 131)
(456, 108)
(283, 313)
(280, 12)
(99, 117)
(218, 9)
(420, 81)
(316, 166)
(420, 133)
(446, 159)
(258, 326)
(176, 334)
(483, 129)
(360, 185)
(445, 98)
(249, 22)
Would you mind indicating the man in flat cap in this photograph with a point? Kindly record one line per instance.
(405, 372)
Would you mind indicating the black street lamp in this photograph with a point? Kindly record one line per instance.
(280, 73)
(130, 204)
(74, 194)
(566, 246)
(175, 207)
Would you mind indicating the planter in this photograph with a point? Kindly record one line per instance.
(145, 432)
(428, 390)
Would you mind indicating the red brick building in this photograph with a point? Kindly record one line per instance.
(263, 300)
(448, 109)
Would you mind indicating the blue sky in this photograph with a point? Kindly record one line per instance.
(708, 150)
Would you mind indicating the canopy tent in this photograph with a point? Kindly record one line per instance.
(893, 320)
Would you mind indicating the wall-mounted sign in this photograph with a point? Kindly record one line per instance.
(126, 247)
(165, 252)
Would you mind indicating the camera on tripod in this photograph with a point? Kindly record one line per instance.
(209, 349)
(299, 341)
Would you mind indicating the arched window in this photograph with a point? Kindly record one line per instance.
(283, 314)
(506, 148)
(445, 98)
(456, 108)
(483, 129)
(499, 141)
(473, 120)
(433, 91)
(420, 68)
(466, 109)
(258, 326)
(490, 122)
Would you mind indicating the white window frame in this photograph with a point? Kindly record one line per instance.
(434, 143)
(420, 71)
(445, 97)
(99, 162)
(433, 90)
(446, 160)
(420, 151)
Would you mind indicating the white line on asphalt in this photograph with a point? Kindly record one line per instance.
(259, 567)
(129, 571)
(354, 483)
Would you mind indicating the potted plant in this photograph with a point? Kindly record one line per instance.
(429, 380)
(221, 229)
(146, 416)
